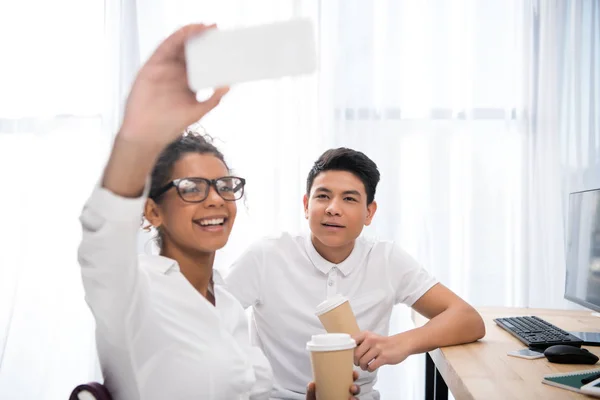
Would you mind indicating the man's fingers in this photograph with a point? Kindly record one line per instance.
(359, 352)
(378, 362)
(354, 375)
(311, 392)
(361, 348)
(359, 337)
(367, 358)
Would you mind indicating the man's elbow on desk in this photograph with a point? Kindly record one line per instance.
(474, 328)
(452, 327)
(452, 320)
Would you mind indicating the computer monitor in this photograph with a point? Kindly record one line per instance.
(582, 283)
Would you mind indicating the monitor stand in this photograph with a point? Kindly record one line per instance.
(589, 338)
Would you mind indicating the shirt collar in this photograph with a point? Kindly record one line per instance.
(158, 263)
(346, 266)
(164, 265)
(217, 278)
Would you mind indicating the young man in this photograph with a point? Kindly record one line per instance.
(285, 278)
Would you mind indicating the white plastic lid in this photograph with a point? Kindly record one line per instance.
(331, 342)
(330, 304)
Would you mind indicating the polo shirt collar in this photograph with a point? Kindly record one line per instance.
(345, 267)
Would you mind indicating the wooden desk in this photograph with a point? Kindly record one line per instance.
(482, 370)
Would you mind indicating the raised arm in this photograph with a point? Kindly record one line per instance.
(159, 107)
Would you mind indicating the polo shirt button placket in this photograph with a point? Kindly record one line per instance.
(331, 282)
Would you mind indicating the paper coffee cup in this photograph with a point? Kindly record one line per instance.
(337, 316)
(332, 359)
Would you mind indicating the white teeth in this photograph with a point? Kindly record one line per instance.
(214, 221)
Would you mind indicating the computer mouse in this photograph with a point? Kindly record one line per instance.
(565, 354)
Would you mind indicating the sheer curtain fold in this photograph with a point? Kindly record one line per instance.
(122, 55)
(543, 248)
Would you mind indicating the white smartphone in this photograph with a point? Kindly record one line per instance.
(224, 57)
(592, 388)
(526, 353)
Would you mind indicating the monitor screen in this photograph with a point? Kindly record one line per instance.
(582, 285)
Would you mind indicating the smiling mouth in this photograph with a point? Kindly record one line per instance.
(208, 222)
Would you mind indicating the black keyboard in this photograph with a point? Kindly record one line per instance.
(537, 333)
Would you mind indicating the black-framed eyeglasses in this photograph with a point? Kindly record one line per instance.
(195, 190)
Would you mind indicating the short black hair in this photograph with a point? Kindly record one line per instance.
(344, 159)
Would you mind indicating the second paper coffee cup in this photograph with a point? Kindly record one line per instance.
(337, 316)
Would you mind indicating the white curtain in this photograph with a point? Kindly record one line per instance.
(562, 129)
(482, 116)
(63, 71)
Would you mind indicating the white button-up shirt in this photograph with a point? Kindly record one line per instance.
(284, 279)
(157, 336)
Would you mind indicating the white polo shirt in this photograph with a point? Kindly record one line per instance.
(284, 279)
(157, 337)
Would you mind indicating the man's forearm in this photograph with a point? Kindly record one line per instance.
(453, 326)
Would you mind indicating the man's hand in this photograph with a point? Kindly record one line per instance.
(161, 105)
(311, 393)
(372, 351)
